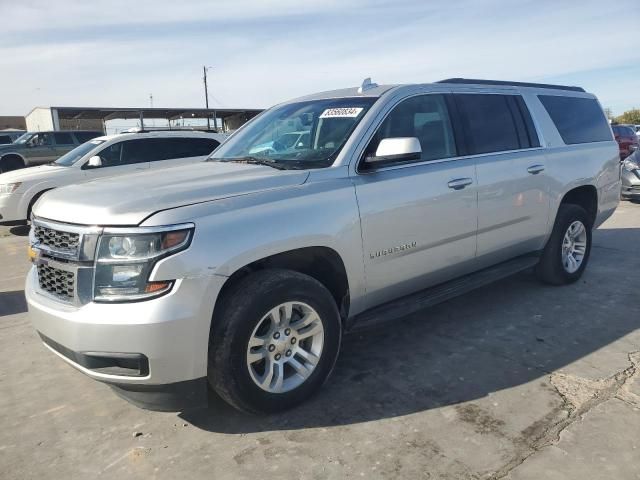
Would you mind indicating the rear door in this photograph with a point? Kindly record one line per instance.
(173, 151)
(513, 189)
(419, 218)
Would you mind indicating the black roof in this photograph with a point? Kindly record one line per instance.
(473, 81)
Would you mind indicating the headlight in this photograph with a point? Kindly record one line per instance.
(9, 187)
(126, 258)
(630, 165)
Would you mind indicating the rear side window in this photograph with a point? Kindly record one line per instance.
(578, 120)
(143, 150)
(490, 123)
(63, 138)
(188, 147)
(86, 136)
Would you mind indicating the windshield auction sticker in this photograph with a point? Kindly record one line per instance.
(347, 112)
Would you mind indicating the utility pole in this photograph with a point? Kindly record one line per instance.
(206, 95)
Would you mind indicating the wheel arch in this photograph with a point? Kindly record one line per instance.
(585, 196)
(320, 262)
(33, 199)
(13, 155)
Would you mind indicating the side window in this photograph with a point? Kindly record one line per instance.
(425, 117)
(112, 155)
(86, 136)
(41, 140)
(202, 146)
(141, 150)
(5, 139)
(490, 124)
(578, 120)
(187, 147)
(532, 135)
(63, 138)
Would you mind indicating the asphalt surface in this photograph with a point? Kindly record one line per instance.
(516, 380)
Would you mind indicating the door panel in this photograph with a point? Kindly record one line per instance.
(40, 149)
(513, 205)
(416, 230)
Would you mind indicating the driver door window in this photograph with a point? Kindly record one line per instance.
(424, 117)
(111, 156)
(42, 140)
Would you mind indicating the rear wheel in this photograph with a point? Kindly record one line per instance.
(274, 341)
(9, 163)
(567, 252)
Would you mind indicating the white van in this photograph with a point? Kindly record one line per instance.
(98, 158)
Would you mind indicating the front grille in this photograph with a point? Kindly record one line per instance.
(58, 282)
(56, 239)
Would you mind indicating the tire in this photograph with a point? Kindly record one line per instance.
(554, 268)
(244, 314)
(10, 163)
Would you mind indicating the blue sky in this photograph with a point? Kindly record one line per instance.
(115, 53)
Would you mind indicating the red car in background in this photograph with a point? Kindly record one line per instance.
(627, 140)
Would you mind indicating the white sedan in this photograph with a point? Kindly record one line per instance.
(98, 158)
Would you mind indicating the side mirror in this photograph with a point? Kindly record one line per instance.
(400, 149)
(94, 162)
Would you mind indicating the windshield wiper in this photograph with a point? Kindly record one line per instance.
(253, 161)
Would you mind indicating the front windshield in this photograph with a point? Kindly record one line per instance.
(24, 138)
(297, 135)
(77, 153)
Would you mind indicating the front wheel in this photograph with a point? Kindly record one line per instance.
(274, 341)
(567, 252)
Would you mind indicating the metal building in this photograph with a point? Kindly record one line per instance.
(95, 118)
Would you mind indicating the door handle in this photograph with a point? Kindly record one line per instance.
(459, 183)
(535, 169)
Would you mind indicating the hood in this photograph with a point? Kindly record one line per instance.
(128, 200)
(43, 172)
(11, 146)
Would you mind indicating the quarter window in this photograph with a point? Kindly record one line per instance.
(425, 117)
(489, 122)
(578, 120)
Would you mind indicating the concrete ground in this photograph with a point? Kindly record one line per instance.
(517, 380)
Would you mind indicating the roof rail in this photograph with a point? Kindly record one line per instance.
(472, 81)
(163, 129)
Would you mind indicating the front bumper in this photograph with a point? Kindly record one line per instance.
(10, 208)
(171, 334)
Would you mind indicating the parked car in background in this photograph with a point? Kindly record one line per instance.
(9, 136)
(631, 176)
(37, 148)
(627, 140)
(101, 157)
(241, 273)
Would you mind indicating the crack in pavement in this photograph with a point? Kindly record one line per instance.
(579, 396)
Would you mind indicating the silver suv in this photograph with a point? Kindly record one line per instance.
(241, 273)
